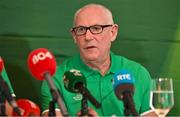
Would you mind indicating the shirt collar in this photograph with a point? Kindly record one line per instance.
(115, 63)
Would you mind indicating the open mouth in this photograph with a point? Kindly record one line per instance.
(90, 47)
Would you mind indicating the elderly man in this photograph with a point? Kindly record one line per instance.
(93, 32)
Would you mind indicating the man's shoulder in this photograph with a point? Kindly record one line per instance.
(132, 66)
(127, 63)
(69, 62)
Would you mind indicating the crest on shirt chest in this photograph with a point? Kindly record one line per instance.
(77, 97)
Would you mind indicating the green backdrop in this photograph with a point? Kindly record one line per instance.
(149, 33)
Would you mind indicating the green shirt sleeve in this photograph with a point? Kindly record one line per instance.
(145, 106)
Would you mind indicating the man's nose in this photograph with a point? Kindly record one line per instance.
(89, 35)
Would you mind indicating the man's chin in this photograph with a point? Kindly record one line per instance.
(90, 58)
(90, 55)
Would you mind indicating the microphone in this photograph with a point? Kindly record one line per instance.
(75, 82)
(28, 108)
(42, 65)
(1, 64)
(123, 84)
(5, 91)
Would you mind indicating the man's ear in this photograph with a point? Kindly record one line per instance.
(74, 36)
(114, 32)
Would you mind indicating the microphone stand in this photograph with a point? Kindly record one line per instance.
(126, 107)
(6, 95)
(52, 108)
(85, 92)
(84, 106)
(55, 94)
(2, 105)
(129, 104)
(2, 100)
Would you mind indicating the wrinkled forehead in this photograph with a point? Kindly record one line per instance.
(93, 15)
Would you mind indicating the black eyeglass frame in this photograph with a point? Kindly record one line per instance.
(89, 28)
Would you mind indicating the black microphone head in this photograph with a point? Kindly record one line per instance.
(124, 88)
(72, 79)
(123, 83)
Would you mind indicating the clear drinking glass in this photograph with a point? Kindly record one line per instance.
(162, 99)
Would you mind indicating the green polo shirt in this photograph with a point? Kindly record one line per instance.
(101, 87)
(6, 79)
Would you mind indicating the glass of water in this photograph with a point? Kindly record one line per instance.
(162, 99)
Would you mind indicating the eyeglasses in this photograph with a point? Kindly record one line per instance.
(95, 29)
